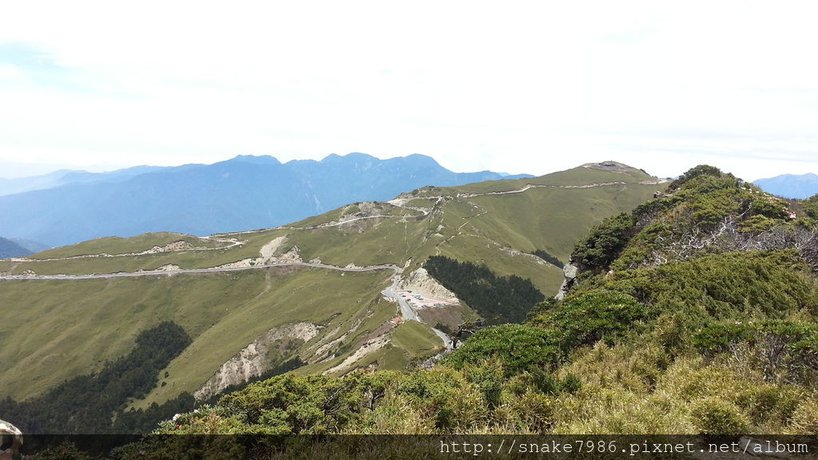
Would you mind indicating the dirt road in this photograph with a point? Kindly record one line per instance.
(179, 271)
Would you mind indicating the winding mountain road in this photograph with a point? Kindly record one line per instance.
(179, 271)
(409, 314)
(391, 292)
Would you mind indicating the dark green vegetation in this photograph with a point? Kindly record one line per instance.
(695, 313)
(605, 242)
(521, 347)
(96, 403)
(498, 299)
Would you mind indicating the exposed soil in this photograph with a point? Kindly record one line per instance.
(253, 360)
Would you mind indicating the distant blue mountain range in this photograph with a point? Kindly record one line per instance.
(9, 248)
(246, 192)
(790, 185)
(65, 176)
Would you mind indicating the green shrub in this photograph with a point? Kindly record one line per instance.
(725, 286)
(769, 405)
(285, 404)
(698, 171)
(758, 224)
(534, 411)
(810, 206)
(604, 243)
(635, 368)
(520, 348)
(591, 316)
(538, 381)
(716, 336)
(395, 414)
(446, 397)
(715, 416)
(488, 376)
(805, 417)
(769, 207)
(205, 420)
(778, 349)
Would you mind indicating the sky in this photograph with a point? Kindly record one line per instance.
(518, 87)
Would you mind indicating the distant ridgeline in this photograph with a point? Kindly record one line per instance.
(244, 193)
(695, 313)
(790, 185)
(9, 248)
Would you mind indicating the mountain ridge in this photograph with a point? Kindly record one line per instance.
(11, 248)
(694, 313)
(800, 186)
(68, 176)
(347, 273)
(242, 193)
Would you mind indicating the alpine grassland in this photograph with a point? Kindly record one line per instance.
(305, 299)
(692, 313)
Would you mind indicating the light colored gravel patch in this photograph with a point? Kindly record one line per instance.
(269, 249)
(367, 348)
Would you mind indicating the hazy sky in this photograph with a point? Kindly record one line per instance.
(509, 86)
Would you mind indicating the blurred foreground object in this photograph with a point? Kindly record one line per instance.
(11, 439)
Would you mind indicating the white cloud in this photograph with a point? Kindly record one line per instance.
(517, 86)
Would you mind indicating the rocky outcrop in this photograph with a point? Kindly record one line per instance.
(369, 347)
(420, 282)
(255, 358)
(291, 256)
(325, 348)
(614, 166)
(268, 250)
(569, 272)
(168, 268)
(176, 246)
(267, 256)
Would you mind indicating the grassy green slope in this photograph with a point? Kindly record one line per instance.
(411, 342)
(116, 245)
(484, 228)
(696, 313)
(334, 302)
(474, 228)
(412, 335)
(58, 260)
(583, 175)
(70, 328)
(64, 328)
